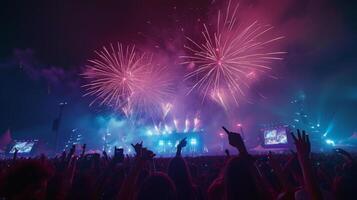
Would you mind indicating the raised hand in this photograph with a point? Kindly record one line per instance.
(302, 144)
(15, 154)
(180, 145)
(118, 155)
(137, 147)
(303, 148)
(235, 139)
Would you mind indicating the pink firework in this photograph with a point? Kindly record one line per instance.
(148, 97)
(230, 57)
(126, 80)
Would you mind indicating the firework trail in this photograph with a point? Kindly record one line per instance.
(229, 57)
(149, 97)
(127, 81)
(166, 108)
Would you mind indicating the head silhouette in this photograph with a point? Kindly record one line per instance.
(179, 172)
(27, 180)
(239, 180)
(157, 186)
(345, 187)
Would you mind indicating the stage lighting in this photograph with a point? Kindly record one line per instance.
(149, 133)
(187, 125)
(168, 129)
(176, 124)
(161, 143)
(193, 141)
(196, 123)
(330, 142)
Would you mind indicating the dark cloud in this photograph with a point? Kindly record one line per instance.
(54, 76)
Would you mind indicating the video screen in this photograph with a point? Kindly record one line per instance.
(275, 136)
(22, 147)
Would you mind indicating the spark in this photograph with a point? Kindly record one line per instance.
(148, 97)
(219, 97)
(166, 108)
(127, 80)
(229, 57)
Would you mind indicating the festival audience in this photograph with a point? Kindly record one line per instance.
(299, 175)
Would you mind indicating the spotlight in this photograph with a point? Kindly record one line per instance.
(187, 125)
(161, 143)
(149, 133)
(330, 142)
(193, 141)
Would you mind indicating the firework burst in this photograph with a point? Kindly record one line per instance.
(127, 81)
(229, 57)
(149, 97)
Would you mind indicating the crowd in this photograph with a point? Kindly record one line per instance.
(299, 175)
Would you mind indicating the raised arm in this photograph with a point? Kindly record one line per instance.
(303, 149)
(142, 155)
(235, 139)
(180, 145)
(15, 155)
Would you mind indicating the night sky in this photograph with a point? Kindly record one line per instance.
(45, 44)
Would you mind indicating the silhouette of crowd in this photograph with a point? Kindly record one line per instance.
(297, 175)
